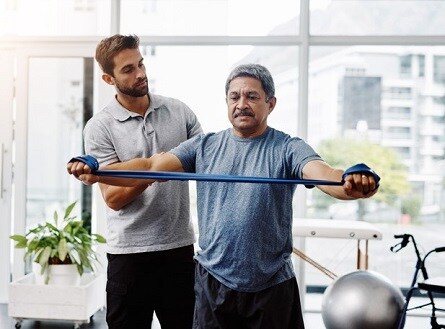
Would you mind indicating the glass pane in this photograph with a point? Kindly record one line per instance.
(196, 75)
(59, 98)
(383, 106)
(378, 17)
(209, 17)
(55, 18)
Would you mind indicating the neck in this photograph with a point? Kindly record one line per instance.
(137, 105)
(248, 133)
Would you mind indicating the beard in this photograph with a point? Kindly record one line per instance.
(135, 91)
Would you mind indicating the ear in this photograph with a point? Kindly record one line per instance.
(108, 79)
(272, 102)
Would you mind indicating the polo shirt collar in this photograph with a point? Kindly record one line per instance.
(121, 113)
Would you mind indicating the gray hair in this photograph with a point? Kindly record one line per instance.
(255, 71)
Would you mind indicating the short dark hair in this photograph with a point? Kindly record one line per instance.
(255, 71)
(109, 47)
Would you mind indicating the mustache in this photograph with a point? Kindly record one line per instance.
(244, 113)
(141, 80)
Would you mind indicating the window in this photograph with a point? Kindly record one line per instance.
(55, 18)
(405, 65)
(439, 69)
(376, 17)
(364, 89)
(57, 112)
(209, 17)
(421, 59)
(380, 109)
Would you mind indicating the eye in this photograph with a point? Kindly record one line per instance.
(253, 97)
(127, 69)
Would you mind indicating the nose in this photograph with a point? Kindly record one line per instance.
(242, 102)
(140, 73)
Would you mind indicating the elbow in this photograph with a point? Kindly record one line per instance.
(113, 202)
(114, 205)
(117, 201)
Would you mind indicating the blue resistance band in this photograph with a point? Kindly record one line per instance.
(183, 176)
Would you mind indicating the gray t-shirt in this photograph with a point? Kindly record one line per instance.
(245, 229)
(159, 219)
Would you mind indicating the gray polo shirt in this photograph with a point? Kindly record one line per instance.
(159, 219)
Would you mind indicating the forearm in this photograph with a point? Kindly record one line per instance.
(118, 197)
(131, 186)
(158, 162)
(133, 164)
(354, 186)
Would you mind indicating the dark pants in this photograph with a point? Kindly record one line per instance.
(218, 307)
(142, 283)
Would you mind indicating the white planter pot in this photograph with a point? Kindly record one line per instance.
(28, 300)
(59, 275)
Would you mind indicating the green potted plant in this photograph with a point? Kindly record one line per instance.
(63, 241)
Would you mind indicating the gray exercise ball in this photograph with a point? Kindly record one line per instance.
(362, 300)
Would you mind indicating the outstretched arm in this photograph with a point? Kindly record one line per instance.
(158, 162)
(356, 185)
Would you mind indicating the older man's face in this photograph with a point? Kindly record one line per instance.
(248, 107)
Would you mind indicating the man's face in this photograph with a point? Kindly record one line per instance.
(248, 107)
(129, 73)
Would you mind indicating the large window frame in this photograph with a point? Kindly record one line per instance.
(25, 47)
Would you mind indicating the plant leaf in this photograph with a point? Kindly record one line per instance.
(55, 217)
(44, 256)
(80, 269)
(52, 227)
(20, 239)
(62, 249)
(69, 209)
(100, 238)
(74, 255)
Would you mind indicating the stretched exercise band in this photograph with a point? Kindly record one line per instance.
(183, 176)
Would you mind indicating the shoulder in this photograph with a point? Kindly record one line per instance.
(203, 140)
(170, 106)
(290, 145)
(216, 137)
(278, 134)
(159, 101)
(279, 137)
(275, 133)
(108, 115)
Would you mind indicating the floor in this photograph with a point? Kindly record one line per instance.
(96, 322)
(417, 319)
(313, 319)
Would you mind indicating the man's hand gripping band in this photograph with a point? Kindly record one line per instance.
(89, 160)
(361, 168)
